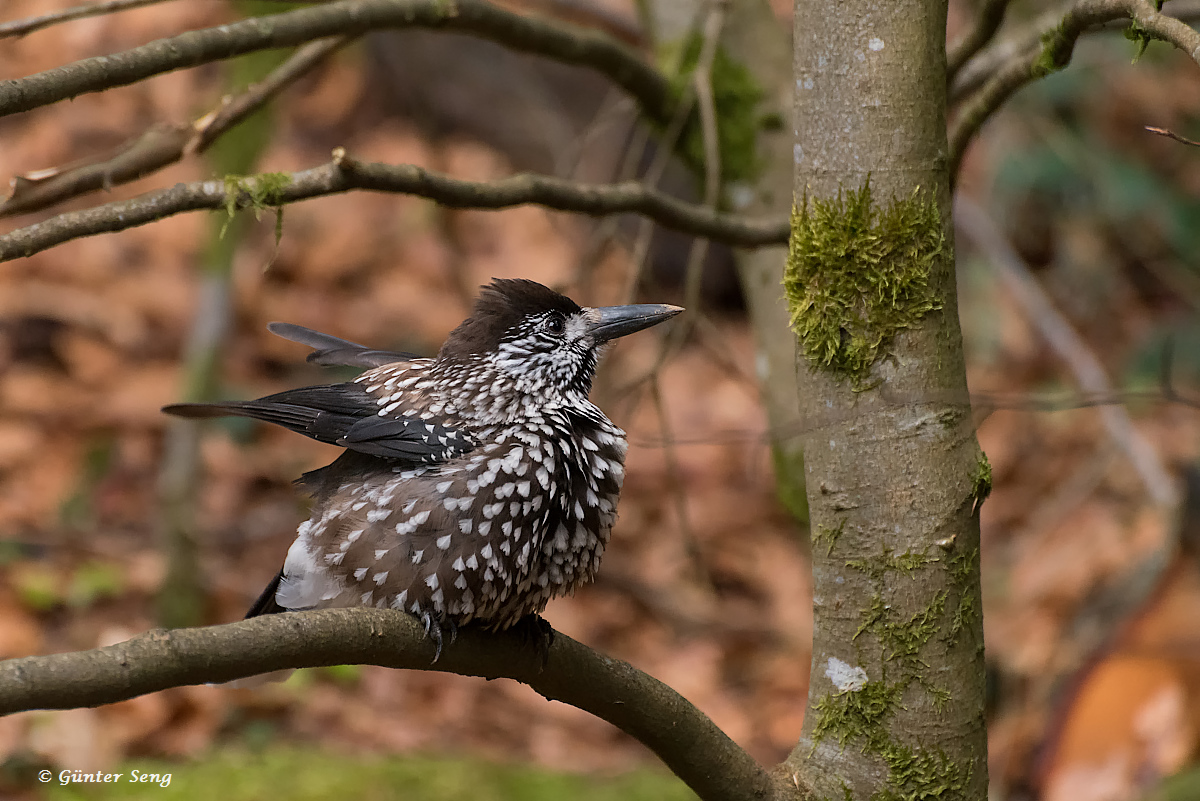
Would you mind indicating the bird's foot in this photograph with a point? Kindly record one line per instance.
(436, 628)
(536, 633)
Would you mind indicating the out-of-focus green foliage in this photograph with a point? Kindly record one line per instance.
(76, 510)
(1183, 786)
(38, 588)
(1069, 172)
(309, 775)
(1178, 344)
(42, 588)
(1070, 165)
(736, 97)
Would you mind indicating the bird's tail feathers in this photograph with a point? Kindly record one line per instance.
(266, 603)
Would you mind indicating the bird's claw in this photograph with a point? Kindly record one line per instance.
(433, 630)
(536, 632)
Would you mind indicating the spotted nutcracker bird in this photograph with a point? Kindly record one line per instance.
(475, 486)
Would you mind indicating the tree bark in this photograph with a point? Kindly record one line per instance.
(895, 475)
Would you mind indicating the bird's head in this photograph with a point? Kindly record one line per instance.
(544, 342)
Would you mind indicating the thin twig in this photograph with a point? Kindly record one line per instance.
(698, 252)
(701, 94)
(235, 109)
(1172, 135)
(20, 27)
(601, 237)
(589, 14)
(344, 174)
(687, 533)
(702, 81)
(702, 85)
(162, 145)
(1067, 343)
(658, 165)
(683, 617)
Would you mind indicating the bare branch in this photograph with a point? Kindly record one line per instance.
(1055, 52)
(990, 18)
(617, 61)
(977, 70)
(707, 106)
(162, 144)
(154, 149)
(1013, 76)
(344, 174)
(1069, 346)
(20, 27)
(682, 736)
(1172, 135)
(235, 109)
(670, 139)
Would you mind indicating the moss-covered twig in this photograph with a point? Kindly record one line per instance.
(1054, 52)
(344, 174)
(682, 736)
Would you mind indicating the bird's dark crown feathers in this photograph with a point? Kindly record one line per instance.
(500, 307)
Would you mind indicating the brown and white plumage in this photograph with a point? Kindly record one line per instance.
(477, 485)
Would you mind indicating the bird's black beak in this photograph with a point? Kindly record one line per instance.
(610, 322)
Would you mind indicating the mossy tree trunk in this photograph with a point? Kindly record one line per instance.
(894, 472)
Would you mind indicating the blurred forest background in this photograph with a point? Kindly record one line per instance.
(1091, 581)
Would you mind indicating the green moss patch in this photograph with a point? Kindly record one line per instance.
(856, 275)
(1055, 54)
(922, 775)
(861, 715)
(258, 192)
(857, 714)
(887, 562)
(966, 614)
(903, 639)
(981, 480)
(827, 537)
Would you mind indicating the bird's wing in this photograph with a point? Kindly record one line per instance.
(330, 351)
(406, 438)
(342, 414)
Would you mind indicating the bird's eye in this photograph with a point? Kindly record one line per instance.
(555, 324)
